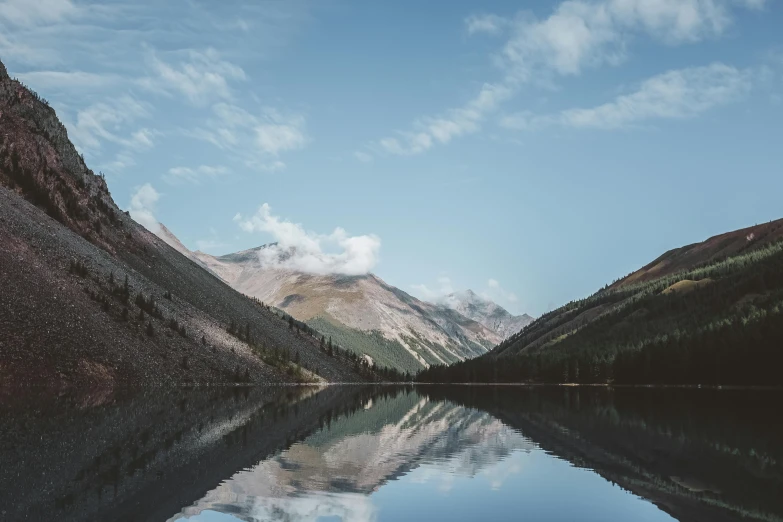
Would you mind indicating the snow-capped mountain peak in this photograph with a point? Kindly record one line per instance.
(486, 312)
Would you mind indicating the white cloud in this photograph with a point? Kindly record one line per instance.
(454, 123)
(112, 122)
(676, 94)
(193, 175)
(277, 134)
(202, 78)
(444, 287)
(485, 23)
(46, 81)
(363, 156)
(27, 13)
(106, 120)
(121, 161)
(258, 138)
(496, 293)
(142, 207)
(13, 48)
(436, 294)
(578, 34)
(305, 251)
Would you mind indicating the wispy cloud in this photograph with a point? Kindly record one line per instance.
(302, 250)
(276, 133)
(436, 293)
(577, 35)
(196, 175)
(443, 292)
(114, 122)
(142, 207)
(362, 156)
(676, 94)
(89, 58)
(104, 120)
(456, 122)
(62, 80)
(486, 23)
(259, 138)
(27, 13)
(495, 292)
(201, 77)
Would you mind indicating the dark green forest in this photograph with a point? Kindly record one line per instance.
(720, 323)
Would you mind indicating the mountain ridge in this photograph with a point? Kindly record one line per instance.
(486, 312)
(92, 297)
(706, 313)
(364, 312)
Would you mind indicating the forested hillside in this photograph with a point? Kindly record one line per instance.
(717, 320)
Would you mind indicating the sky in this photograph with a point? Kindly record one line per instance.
(531, 151)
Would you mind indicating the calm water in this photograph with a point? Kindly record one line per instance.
(393, 454)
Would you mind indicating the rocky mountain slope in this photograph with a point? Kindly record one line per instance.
(707, 313)
(90, 296)
(487, 313)
(361, 313)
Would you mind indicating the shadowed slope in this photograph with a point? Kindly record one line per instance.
(89, 295)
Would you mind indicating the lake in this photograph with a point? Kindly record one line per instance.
(392, 453)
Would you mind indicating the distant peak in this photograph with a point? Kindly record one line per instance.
(3, 72)
(467, 296)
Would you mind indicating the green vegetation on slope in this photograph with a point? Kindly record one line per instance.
(385, 353)
(727, 331)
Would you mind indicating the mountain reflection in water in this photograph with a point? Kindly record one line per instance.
(392, 453)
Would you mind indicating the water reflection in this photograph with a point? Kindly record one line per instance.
(330, 473)
(392, 453)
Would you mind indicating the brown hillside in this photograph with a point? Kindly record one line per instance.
(711, 250)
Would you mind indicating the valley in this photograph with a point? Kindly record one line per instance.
(707, 313)
(365, 314)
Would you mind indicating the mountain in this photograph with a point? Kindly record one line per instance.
(487, 313)
(706, 313)
(91, 297)
(389, 438)
(362, 313)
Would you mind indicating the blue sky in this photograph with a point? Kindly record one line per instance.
(530, 151)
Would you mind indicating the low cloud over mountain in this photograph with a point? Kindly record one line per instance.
(310, 252)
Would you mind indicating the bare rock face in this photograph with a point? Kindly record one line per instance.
(38, 161)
